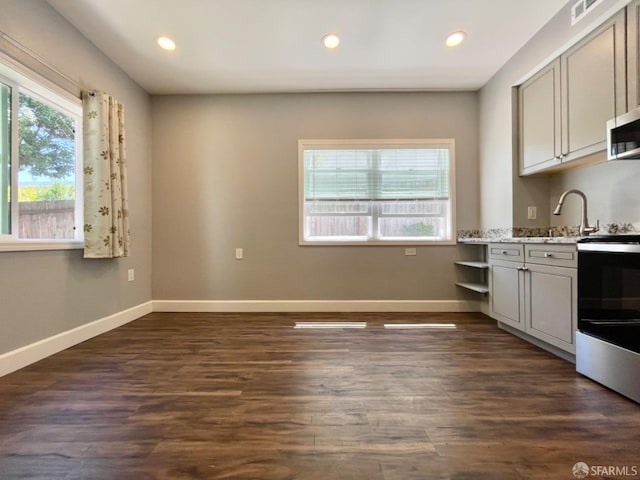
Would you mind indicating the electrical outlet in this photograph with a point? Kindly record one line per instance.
(532, 213)
(239, 253)
(131, 275)
(410, 252)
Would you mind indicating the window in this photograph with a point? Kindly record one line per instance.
(376, 191)
(40, 162)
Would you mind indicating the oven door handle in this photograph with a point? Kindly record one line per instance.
(613, 321)
(609, 247)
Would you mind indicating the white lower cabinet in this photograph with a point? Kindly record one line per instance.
(507, 285)
(533, 289)
(550, 297)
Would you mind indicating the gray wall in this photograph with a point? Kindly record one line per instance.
(504, 195)
(611, 189)
(225, 176)
(45, 293)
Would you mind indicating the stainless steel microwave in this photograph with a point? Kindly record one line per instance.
(623, 136)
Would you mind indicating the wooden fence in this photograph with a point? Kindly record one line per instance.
(49, 220)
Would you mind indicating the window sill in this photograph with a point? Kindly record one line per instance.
(376, 243)
(39, 245)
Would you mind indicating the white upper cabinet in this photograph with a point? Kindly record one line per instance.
(539, 106)
(633, 54)
(563, 109)
(593, 88)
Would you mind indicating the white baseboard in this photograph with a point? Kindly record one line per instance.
(315, 306)
(23, 356)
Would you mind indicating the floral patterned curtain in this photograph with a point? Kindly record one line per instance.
(106, 215)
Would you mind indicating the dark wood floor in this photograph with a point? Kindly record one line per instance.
(245, 396)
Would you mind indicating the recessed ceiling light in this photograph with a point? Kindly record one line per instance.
(455, 39)
(331, 40)
(166, 43)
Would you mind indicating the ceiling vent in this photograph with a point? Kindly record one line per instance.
(581, 8)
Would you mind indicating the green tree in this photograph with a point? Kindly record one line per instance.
(55, 191)
(46, 136)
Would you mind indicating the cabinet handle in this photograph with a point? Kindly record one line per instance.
(548, 255)
(503, 252)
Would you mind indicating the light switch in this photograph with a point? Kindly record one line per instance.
(532, 213)
(411, 252)
(239, 253)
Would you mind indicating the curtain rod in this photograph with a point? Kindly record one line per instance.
(30, 59)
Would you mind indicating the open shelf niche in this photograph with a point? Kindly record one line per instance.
(480, 266)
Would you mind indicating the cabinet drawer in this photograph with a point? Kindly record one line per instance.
(506, 251)
(558, 255)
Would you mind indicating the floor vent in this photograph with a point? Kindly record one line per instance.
(581, 8)
(330, 325)
(398, 326)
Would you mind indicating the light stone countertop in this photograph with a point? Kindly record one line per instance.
(565, 240)
(558, 234)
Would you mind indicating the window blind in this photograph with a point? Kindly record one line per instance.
(376, 174)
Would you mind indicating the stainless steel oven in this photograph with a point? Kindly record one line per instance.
(608, 337)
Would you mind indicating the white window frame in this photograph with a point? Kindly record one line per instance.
(335, 144)
(20, 78)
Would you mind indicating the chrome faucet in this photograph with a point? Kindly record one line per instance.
(585, 229)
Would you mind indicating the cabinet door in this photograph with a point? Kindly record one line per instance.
(633, 54)
(506, 286)
(550, 305)
(593, 88)
(539, 120)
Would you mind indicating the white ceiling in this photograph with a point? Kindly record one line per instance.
(274, 45)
